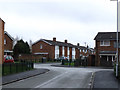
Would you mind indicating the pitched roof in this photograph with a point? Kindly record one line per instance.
(55, 43)
(106, 36)
(2, 20)
(9, 35)
(82, 47)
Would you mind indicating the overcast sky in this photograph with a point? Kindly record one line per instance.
(78, 21)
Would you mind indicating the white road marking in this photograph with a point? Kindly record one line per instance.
(50, 80)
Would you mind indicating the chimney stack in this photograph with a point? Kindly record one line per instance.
(54, 39)
(78, 44)
(65, 41)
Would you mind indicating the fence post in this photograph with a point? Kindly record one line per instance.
(22, 65)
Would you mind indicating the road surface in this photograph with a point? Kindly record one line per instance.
(58, 77)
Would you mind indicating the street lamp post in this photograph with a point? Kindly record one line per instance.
(117, 40)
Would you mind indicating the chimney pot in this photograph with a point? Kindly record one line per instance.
(78, 44)
(65, 41)
(54, 39)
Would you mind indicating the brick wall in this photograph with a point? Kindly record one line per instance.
(46, 48)
(30, 57)
(102, 48)
(1, 40)
(70, 52)
(65, 50)
(60, 51)
(106, 48)
(77, 56)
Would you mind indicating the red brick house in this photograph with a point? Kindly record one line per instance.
(85, 51)
(54, 49)
(8, 43)
(105, 46)
(1, 40)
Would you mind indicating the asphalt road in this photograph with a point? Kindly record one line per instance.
(57, 77)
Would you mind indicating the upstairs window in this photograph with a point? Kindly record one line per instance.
(83, 50)
(56, 47)
(63, 48)
(86, 51)
(80, 50)
(4, 41)
(105, 43)
(41, 46)
(73, 49)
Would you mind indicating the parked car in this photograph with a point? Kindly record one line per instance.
(62, 58)
(8, 59)
(83, 58)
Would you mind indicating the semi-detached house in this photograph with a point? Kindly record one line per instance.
(105, 45)
(54, 49)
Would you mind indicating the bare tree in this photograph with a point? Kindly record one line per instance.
(15, 41)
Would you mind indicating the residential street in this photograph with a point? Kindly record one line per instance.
(58, 77)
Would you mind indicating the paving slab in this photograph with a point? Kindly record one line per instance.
(106, 80)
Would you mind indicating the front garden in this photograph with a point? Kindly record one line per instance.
(76, 62)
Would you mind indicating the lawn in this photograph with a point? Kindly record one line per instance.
(71, 64)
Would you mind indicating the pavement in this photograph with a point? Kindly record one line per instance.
(22, 75)
(106, 80)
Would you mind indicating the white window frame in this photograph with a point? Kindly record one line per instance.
(41, 47)
(80, 50)
(102, 43)
(56, 52)
(4, 41)
(73, 53)
(83, 50)
(63, 51)
(68, 51)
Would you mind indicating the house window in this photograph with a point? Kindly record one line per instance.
(89, 51)
(41, 46)
(73, 49)
(62, 50)
(57, 48)
(4, 41)
(83, 50)
(68, 51)
(80, 50)
(86, 51)
(105, 43)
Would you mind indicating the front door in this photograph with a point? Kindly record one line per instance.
(106, 61)
(103, 61)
